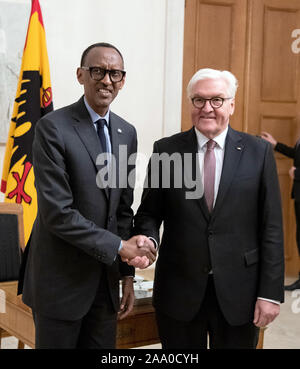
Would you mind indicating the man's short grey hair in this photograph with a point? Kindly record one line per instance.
(207, 73)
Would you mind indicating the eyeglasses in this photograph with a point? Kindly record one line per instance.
(215, 102)
(98, 73)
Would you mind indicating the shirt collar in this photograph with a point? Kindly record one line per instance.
(220, 139)
(95, 116)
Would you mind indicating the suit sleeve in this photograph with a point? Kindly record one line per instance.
(149, 215)
(293, 153)
(285, 150)
(297, 174)
(272, 251)
(55, 198)
(297, 165)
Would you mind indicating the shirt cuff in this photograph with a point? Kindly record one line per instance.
(154, 241)
(273, 301)
(120, 247)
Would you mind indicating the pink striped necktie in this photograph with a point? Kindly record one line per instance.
(209, 174)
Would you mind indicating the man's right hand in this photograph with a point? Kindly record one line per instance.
(139, 248)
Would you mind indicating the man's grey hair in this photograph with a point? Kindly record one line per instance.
(208, 73)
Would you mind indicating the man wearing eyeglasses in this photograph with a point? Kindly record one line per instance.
(220, 268)
(81, 236)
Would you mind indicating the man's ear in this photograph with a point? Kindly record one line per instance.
(232, 106)
(79, 75)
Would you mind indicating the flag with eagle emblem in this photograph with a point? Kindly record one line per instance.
(33, 100)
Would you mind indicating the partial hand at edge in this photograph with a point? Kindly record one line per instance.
(268, 137)
(292, 172)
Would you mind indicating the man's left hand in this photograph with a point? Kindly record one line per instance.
(127, 297)
(265, 312)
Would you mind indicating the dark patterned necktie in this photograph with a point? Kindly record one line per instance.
(209, 174)
(100, 130)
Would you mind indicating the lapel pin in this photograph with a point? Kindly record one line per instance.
(239, 148)
(119, 130)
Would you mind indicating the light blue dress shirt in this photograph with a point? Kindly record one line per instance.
(95, 117)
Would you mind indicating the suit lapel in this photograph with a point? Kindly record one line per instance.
(234, 148)
(85, 129)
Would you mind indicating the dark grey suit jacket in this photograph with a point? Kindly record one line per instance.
(79, 226)
(241, 241)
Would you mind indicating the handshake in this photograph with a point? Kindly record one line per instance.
(139, 251)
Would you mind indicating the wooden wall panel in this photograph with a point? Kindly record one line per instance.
(273, 104)
(252, 39)
(214, 40)
(215, 37)
(280, 126)
(279, 70)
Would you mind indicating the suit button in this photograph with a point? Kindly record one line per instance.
(110, 218)
(210, 233)
(98, 256)
(206, 270)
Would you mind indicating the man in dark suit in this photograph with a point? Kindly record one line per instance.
(72, 264)
(220, 265)
(294, 172)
